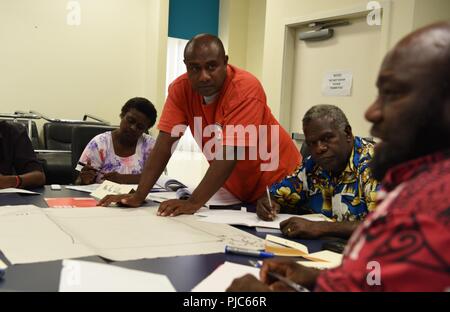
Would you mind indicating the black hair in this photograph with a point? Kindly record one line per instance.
(204, 39)
(142, 105)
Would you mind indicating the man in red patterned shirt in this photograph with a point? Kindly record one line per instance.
(404, 244)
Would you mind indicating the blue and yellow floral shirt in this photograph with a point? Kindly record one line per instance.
(349, 197)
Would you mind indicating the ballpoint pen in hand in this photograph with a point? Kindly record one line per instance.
(270, 201)
(281, 278)
(82, 164)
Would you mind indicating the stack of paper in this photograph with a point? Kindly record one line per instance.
(324, 259)
(111, 188)
(283, 247)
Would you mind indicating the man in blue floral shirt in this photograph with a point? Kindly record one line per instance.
(335, 180)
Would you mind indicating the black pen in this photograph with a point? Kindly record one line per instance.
(281, 278)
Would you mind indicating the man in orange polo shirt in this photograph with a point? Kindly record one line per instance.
(226, 110)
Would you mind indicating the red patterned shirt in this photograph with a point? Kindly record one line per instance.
(404, 245)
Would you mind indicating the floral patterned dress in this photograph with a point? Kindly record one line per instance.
(100, 154)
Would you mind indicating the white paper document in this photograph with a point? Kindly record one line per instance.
(337, 83)
(17, 191)
(82, 276)
(111, 188)
(113, 233)
(287, 243)
(321, 265)
(239, 217)
(83, 188)
(223, 276)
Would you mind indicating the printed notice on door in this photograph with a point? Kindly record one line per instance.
(337, 83)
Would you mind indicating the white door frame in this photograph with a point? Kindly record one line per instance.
(290, 28)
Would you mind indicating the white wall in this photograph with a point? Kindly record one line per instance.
(117, 52)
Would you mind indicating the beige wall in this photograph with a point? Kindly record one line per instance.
(406, 15)
(255, 40)
(429, 11)
(117, 52)
(278, 14)
(241, 28)
(233, 28)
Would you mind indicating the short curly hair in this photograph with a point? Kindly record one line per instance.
(142, 105)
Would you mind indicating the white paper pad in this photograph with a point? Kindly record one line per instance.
(318, 265)
(287, 243)
(223, 276)
(81, 276)
(333, 258)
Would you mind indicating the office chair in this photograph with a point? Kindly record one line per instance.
(58, 135)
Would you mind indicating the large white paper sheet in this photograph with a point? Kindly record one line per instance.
(114, 233)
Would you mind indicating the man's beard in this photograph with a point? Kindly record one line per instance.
(389, 154)
(425, 136)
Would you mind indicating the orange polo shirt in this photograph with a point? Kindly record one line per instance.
(270, 153)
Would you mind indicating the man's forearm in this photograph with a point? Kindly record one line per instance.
(130, 178)
(216, 176)
(214, 179)
(32, 179)
(338, 229)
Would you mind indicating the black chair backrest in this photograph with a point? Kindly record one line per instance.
(58, 136)
(81, 136)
